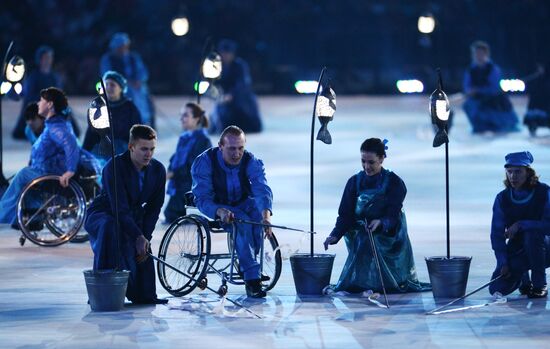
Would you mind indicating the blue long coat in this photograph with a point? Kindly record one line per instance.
(140, 198)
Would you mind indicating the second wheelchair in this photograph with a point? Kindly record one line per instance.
(50, 215)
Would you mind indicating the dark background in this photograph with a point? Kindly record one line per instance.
(367, 45)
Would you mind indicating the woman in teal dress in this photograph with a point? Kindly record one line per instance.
(373, 198)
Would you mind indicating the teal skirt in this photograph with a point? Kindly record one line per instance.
(396, 263)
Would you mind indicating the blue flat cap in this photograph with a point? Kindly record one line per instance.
(522, 158)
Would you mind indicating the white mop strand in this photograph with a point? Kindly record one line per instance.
(373, 298)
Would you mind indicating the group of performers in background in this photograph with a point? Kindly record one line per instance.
(229, 182)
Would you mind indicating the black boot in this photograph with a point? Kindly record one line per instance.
(538, 292)
(254, 289)
(525, 289)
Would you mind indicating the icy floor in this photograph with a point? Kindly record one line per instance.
(43, 296)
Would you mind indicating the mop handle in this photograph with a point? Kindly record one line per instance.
(272, 226)
(432, 312)
(210, 289)
(375, 253)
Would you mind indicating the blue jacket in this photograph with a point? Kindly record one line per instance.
(140, 195)
(190, 145)
(203, 182)
(530, 208)
(56, 151)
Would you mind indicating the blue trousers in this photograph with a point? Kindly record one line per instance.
(101, 230)
(9, 199)
(248, 239)
(534, 256)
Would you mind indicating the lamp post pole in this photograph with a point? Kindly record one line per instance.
(311, 216)
(447, 198)
(3, 181)
(113, 162)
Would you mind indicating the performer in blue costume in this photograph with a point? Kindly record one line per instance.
(124, 114)
(375, 194)
(129, 63)
(238, 105)
(228, 183)
(55, 152)
(39, 79)
(521, 215)
(140, 189)
(486, 105)
(193, 141)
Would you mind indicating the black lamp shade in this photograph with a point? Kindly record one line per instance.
(212, 66)
(324, 110)
(98, 115)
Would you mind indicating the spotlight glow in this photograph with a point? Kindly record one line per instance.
(5, 87)
(180, 26)
(426, 24)
(306, 86)
(512, 85)
(202, 87)
(18, 88)
(410, 86)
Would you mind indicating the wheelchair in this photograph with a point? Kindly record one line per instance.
(50, 215)
(187, 245)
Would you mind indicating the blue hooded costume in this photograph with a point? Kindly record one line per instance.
(55, 152)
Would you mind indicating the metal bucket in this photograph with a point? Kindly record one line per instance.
(449, 276)
(311, 274)
(106, 289)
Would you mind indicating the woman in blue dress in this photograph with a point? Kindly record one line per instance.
(373, 200)
(193, 141)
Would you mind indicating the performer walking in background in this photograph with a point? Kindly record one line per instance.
(521, 215)
(193, 141)
(238, 105)
(39, 79)
(486, 105)
(129, 63)
(538, 108)
(375, 194)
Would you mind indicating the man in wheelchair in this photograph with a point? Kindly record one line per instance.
(229, 183)
(55, 152)
(140, 191)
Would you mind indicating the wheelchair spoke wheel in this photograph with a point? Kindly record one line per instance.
(91, 189)
(48, 214)
(272, 263)
(185, 246)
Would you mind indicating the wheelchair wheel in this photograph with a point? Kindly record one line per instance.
(48, 214)
(185, 246)
(91, 190)
(272, 261)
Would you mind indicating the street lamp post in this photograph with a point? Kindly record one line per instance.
(13, 72)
